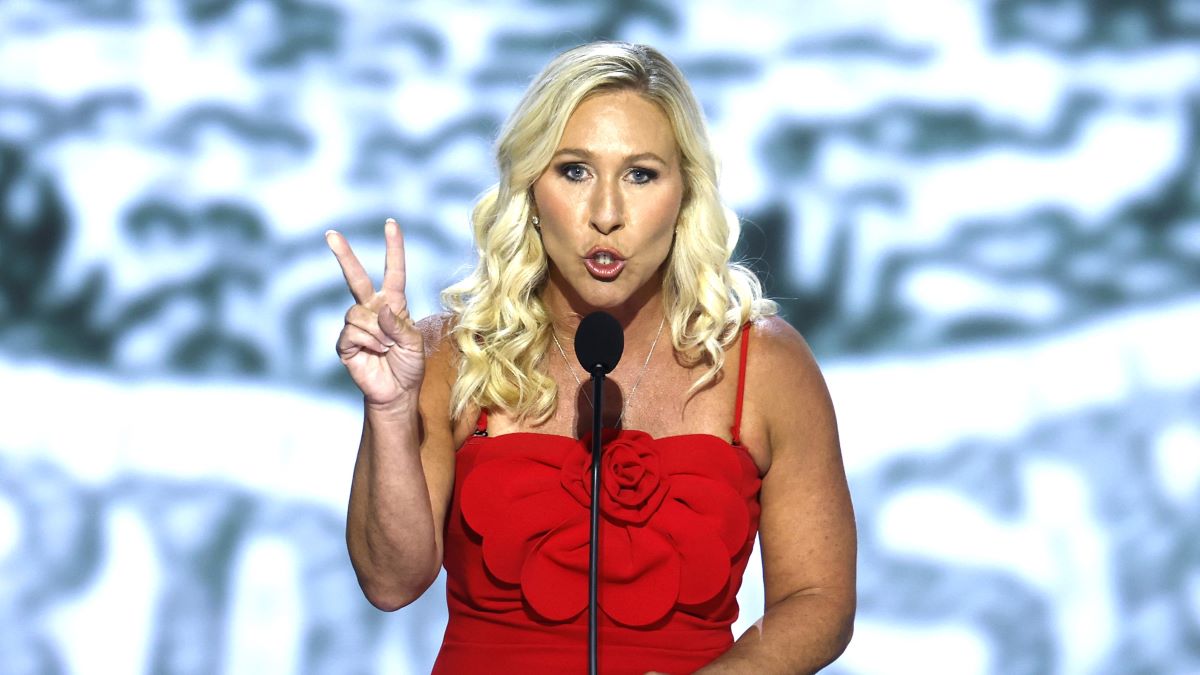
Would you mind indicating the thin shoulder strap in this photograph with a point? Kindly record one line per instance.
(481, 423)
(736, 431)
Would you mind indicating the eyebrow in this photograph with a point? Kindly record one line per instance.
(580, 152)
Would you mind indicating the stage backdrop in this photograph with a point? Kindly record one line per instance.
(984, 216)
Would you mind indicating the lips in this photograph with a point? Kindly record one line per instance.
(604, 264)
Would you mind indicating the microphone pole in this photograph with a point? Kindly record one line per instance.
(594, 546)
(599, 342)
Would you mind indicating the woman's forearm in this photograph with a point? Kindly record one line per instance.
(800, 634)
(389, 524)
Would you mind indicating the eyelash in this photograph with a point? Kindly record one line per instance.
(566, 169)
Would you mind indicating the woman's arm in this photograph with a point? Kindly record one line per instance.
(405, 466)
(402, 482)
(807, 533)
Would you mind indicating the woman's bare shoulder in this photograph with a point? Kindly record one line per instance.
(436, 329)
(440, 350)
(781, 360)
(774, 336)
(441, 368)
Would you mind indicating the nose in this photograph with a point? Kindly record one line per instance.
(607, 207)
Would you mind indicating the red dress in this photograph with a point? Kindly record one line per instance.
(680, 514)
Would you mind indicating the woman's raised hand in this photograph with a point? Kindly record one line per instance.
(379, 345)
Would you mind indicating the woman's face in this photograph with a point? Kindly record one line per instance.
(608, 202)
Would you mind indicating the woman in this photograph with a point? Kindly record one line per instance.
(720, 424)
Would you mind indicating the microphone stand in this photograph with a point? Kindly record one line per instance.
(599, 342)
(594, 562)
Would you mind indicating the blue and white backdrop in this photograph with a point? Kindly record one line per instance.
(984, 215)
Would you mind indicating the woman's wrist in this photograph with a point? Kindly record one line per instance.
(402, 408)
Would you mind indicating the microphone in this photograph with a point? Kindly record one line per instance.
(599, 342)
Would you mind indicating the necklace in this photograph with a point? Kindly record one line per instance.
(645, 364)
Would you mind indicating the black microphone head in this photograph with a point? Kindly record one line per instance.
(599, 341)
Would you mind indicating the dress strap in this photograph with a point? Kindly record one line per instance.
(481, 423)
(736, 431)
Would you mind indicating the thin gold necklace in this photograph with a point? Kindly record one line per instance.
(645, 364)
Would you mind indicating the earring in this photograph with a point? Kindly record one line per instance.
(535, 221)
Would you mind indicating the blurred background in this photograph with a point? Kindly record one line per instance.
(983, 215)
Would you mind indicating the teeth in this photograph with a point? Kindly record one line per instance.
(604, 258)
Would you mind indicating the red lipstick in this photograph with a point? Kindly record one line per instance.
(604, 264)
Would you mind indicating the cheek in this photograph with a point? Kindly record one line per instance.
(665, 216)
(555, 203)
(554, 210)
(556, 245)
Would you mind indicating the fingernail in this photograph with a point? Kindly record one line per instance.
(329, 232)
(390, 220)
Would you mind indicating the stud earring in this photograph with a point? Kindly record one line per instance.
(536, 221)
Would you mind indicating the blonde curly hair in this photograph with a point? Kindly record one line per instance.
(501, 326)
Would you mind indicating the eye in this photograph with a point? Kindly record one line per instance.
(573, 172)
(640, 176)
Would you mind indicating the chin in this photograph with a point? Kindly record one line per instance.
(611, 295)
(604, 300)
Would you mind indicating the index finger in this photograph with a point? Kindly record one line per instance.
(356, 276)
(394, 272)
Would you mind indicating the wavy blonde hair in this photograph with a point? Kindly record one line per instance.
(502, 328)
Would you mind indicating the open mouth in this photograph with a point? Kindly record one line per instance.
(604, 265)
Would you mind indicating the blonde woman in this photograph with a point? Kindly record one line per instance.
(474, 452)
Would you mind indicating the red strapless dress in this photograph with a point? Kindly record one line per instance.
(680, 515)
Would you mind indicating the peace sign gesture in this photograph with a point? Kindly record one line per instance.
(379, 345)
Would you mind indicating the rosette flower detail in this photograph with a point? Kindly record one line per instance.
(671, 522)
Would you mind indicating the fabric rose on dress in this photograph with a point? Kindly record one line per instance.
(671, 522)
